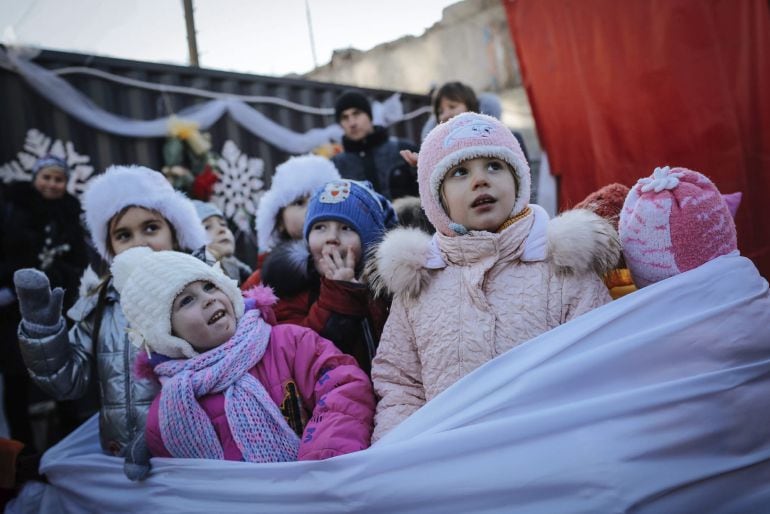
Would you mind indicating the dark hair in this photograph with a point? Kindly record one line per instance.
(122, 212)
(458, 92)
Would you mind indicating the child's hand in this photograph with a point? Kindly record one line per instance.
(410, 157)
(334, 267)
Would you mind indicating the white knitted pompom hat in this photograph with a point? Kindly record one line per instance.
(297, 177)
(148, 283)
(126, 186)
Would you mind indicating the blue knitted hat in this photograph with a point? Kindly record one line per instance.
(50, 161)
(355, 204)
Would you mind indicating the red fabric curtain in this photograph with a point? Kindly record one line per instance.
(620, 87)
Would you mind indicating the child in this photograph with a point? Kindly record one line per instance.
(125, 207)
(675, 221)
(489, 279)
(281, 211)
(234, 387)
(318, 280)
(221, 245)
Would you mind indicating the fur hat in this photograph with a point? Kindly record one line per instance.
(350, 99)
(146, 301)
(607, 202)
(206, 210)
(672, 222)
(297, 177)
(466, 136)
(353, 203)
(136, 186)
(50, 161)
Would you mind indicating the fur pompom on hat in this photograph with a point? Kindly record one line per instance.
(466, 136)
(356, 204)
(148, 283)
(136, 186)
(295, 178)
(672, 222)
(351, 99)
(607, 202)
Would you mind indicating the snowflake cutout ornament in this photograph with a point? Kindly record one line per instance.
(36, 145)
(240, 185)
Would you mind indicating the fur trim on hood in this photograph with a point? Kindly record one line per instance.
(578, 242)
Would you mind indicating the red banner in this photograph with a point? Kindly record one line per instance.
(618, 88)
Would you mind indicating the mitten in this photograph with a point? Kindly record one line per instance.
(39, 305)
(136, 465)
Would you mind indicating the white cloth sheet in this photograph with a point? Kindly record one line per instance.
(657, 402)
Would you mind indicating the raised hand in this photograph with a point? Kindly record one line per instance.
(410, 157)
(37, 303)
(335, 267)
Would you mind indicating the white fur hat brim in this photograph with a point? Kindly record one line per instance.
(148, 283)
(136, 186)
(299, 176)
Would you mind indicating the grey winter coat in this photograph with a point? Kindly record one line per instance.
(60, 364)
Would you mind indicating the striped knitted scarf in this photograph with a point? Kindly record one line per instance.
(258, 427)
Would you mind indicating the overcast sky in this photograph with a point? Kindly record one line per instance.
(255, 36)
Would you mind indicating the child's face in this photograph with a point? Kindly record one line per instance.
(203, 316)
(293, 217)
(140, 227)
(51, 183)
(221, 239)
(479, 193)
(448, 108)
(333, 237)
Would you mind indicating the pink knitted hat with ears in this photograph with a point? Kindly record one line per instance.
(466, 136)
(672, 222)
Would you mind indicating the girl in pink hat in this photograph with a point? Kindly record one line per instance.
(496, 273)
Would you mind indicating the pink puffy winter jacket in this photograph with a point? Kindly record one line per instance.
(326, 398)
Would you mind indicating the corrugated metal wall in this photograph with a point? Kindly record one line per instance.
(22, 109)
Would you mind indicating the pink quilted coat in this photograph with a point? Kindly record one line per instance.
(480, 300)
(322, 392)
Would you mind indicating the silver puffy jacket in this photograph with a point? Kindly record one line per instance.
(60, 365)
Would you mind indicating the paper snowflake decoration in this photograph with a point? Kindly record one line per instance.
(36, 145)
(240, 185)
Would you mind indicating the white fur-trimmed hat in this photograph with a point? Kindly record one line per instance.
(148, 283)
(125, 186)
(297, 177)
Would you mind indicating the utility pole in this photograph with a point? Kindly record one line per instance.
(310, 32)
(192, 44)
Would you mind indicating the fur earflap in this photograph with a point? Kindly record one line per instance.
(580, 241)
(399, 264)
(287, 268)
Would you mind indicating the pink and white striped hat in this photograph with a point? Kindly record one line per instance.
(466, 136)
(672, 222)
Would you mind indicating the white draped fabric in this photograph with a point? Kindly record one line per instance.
(657, 402)
(60, 93)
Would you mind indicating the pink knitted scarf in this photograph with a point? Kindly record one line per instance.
(258, 427)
